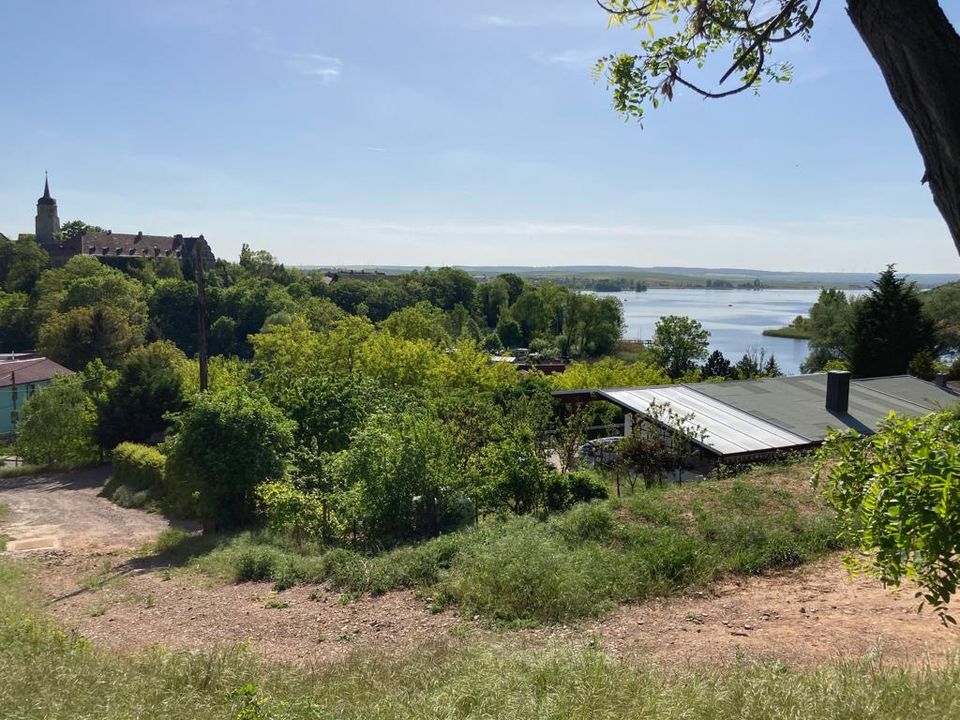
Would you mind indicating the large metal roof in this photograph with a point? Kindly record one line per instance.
(729, 431)
(798, 403)
(769, 414)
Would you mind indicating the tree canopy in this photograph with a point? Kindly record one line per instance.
(912, 43)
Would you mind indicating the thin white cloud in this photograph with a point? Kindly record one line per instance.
(499, 21)
(568, 58)
(325, 67)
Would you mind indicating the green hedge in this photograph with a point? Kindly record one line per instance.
(138, 475)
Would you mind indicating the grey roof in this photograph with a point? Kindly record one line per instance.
(798, 403)
(729, 431)
(750, 416)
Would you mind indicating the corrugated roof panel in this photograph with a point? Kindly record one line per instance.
(729, 431)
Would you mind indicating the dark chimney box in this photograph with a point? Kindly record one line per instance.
(838, 391)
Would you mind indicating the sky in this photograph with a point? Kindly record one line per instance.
(431, 132)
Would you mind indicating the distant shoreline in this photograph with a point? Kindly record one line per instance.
(625, 278)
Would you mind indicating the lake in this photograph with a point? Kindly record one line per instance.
(736, 319)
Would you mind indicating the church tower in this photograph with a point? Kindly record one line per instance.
(48, 223)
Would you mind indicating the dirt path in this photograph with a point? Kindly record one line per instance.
(62, 510)
(804, 617)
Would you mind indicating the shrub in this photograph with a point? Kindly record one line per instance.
(291, 510)
(137, 478)
(57, 424)
(149, 387)
(898, 497)
(530, 574)
(227, 444)
(586, 486)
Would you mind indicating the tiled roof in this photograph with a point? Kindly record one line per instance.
(110, 244)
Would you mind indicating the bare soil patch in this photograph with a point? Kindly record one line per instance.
(803, 617)
(807, 616)
(63, 510)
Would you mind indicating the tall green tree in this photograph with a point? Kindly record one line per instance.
(831, 323)
(678, 344)
(912, 42)
(889, 328)
(173, 312)
(83, 334)
(149, 386)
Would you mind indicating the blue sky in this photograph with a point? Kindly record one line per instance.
(433, 132)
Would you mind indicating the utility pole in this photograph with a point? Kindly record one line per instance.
(201, 314)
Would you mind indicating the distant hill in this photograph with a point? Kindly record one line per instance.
(666, 277)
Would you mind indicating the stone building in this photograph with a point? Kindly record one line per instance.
(115, 248)
(47, 221)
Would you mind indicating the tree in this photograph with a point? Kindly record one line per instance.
(514, 471)
(74, 230)
(173, 312)
(529, 312)
(772, 369)
(942, 306)
(831, 319)
(83, 334)
(509, 332)
(913, 43)
(149, 386)
(57, 423)
(889, 328)
(423, 321)
(717, 366)
(17, 323)
(399, 478)
(661, 442)
(227, 444)
(26, 261)
(898, 499)
(678, 344)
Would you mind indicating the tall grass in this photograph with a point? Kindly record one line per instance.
(56, 675)
(573, 565)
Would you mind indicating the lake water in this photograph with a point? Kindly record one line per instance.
(736, 319)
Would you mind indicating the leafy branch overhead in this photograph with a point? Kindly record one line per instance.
(747, 28)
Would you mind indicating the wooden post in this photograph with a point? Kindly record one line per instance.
(13, 400)
(201, 315)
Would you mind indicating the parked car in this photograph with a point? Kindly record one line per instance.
(602, 451)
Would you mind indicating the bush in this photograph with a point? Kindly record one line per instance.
(57, 424)
(137, 478)
(899, 501)
(227, 444)
(586, 486)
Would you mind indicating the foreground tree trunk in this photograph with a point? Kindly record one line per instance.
(918, 52)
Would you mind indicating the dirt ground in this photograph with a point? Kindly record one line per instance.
(63, 510)
(803, 617)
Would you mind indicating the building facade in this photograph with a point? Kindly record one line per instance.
(115, 248)
(20, 377)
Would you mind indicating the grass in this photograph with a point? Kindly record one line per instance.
(4, 511)
(788, 332)
(581, 563)
(16, 471)
(55, 674)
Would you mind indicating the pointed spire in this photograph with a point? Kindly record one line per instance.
(46, 186)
